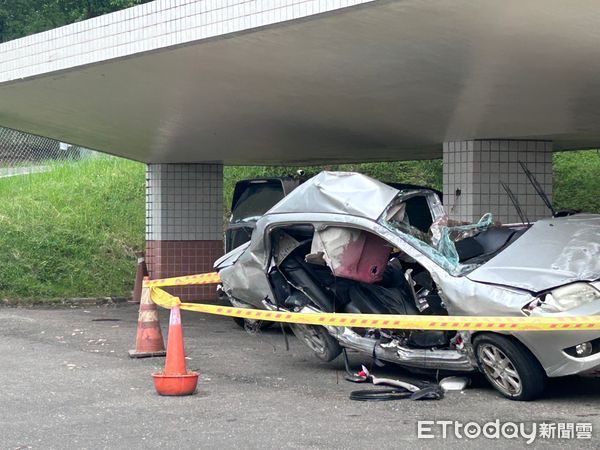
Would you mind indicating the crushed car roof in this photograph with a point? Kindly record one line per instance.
(338, 193)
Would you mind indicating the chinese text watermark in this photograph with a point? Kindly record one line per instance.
(529, 432)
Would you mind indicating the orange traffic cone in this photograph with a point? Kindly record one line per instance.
(175, 380)
(149, 340)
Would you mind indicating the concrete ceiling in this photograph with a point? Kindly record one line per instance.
(388, 80)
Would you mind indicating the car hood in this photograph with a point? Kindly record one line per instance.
(553, 252)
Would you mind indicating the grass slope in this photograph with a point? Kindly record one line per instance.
(72, 232)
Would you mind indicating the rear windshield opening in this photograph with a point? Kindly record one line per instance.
(256, 200)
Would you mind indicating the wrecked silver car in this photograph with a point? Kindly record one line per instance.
(343, 242)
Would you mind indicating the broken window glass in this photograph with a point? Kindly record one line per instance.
(438, 242)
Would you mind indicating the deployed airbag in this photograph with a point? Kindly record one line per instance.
(350, 253)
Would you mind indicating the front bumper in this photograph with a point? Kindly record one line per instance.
(548, 346)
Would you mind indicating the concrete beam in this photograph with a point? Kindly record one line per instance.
(309, 82)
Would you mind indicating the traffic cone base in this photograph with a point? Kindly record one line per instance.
(149, 340)
(176, 379)
(136, 354)
(175, 384)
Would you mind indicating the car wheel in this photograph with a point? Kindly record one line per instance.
(252, 324)
(325, 347)
(509, 367)
(239, 322)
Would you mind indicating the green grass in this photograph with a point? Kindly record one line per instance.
(424, 173)
(73, 231)
(577, 180)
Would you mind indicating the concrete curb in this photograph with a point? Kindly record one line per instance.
(66, 302)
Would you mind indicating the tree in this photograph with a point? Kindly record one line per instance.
(20, 18)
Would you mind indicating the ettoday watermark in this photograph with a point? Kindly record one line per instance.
(529, 432)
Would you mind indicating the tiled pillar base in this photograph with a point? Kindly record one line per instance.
(184, 223)
(474, 169)
(173, 258)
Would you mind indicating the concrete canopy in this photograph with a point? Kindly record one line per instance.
(381, 80)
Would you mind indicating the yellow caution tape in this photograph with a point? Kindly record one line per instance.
(199, 279)
(388, 321)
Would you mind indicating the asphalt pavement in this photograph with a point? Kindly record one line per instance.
(67, 382)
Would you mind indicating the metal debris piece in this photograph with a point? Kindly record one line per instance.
(454, 383)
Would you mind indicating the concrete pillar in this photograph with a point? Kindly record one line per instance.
(184, 222)
(473, 170)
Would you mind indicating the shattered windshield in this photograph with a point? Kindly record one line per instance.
(438, 239)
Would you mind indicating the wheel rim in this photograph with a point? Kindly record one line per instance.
(312, 338)
(499, 369)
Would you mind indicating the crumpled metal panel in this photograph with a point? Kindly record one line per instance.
(230, 258)
(464, 297)
(338, 193)
(335, 196)
(246, 281)
(553, 252)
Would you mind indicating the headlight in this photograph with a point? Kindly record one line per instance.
(566, 298)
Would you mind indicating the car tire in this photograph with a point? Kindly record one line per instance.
(509, 366)
(324, 346)
(242, 323)
(239, 322)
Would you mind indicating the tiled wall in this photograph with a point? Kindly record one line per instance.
(476, 167)
(184, 222)
(174, 258)
(147, 27)
(184, 202)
